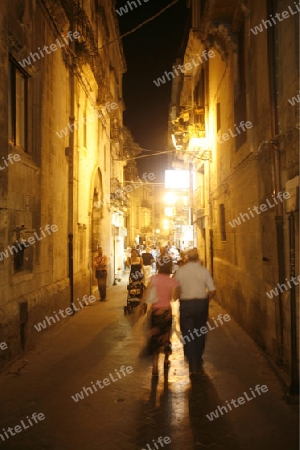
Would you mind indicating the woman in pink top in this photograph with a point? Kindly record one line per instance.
(161, 314)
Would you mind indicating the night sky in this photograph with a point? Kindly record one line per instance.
(149, 52)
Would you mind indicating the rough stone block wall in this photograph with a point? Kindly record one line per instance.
(19, 317)
(246, 264)
(36, 189)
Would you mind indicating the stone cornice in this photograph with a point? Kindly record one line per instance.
(219, 31)
(222, 39)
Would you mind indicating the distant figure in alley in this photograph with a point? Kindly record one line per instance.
(100, 263)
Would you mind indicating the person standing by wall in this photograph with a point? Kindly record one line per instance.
(196, 289)
(100, 264)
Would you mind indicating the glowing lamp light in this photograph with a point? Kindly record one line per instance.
(174, 141)
(170, 198)
(199, 142)
(177, 179)
(169, 211)
(166, 224)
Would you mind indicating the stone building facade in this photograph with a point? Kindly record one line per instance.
(238, 125)
(61, 89)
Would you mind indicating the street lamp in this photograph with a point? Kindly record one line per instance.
(166, 224)
(170, 211)
(170, 198)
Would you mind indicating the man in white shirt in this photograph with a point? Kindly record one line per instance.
(196, 289)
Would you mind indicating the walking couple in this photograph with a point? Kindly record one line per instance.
(194, 287)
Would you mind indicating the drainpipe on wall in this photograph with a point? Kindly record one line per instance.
(294, 386)
(209, 225)
(276, 176)
(71, 170)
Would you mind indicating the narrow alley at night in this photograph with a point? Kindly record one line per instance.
(149, 224)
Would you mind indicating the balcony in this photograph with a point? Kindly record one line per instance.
(86, 47)
(118, 196)
(220, 21)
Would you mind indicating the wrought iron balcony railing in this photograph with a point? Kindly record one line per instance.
(118, 196)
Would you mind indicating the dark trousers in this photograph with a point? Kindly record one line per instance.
(193, 314)
(101, 276)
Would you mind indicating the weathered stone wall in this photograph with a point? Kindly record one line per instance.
(36, 190)
(54, 180)
(246, 264)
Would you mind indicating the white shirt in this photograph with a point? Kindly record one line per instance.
(195, 280)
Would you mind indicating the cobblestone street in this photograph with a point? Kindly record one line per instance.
(133, 410)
